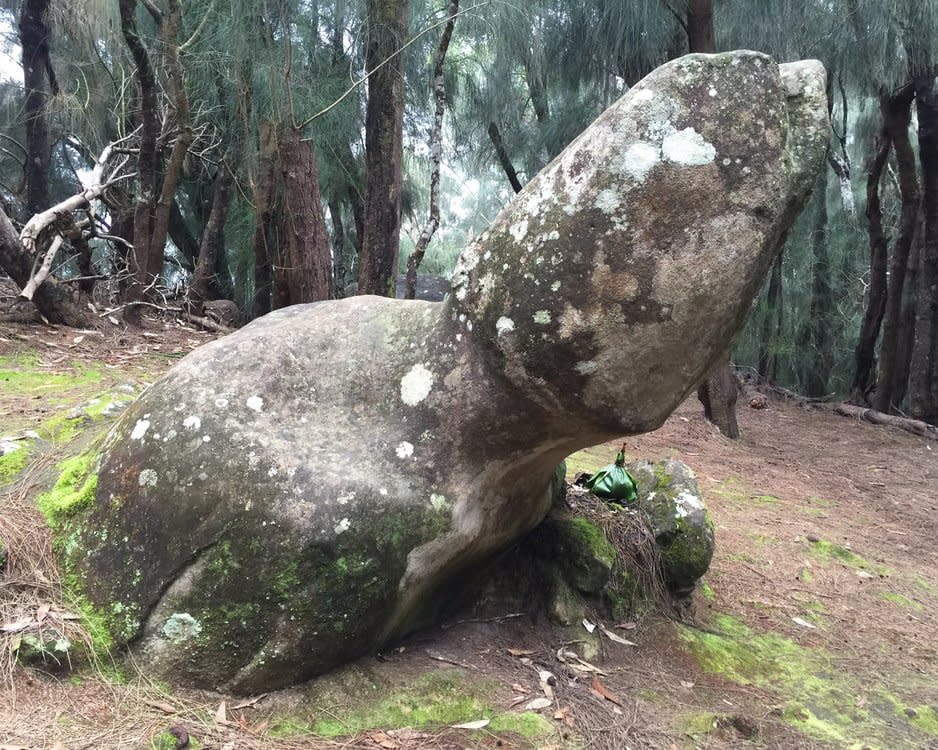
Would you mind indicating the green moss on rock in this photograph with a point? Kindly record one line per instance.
(73, 490)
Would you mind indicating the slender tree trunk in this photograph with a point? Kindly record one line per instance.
(304, 240)
(907, 327)
(34, 38)
(865, 352)
(338, 249)
(384, 116)
(700, 35)
(897, 118)
(51, 299)
(177, 157)
(771, 326)
(502, 153)
(924, 394)
(182, 237)
(146, 116)
(436, 154)
(264, 213)
(818, 334)
(201, 287)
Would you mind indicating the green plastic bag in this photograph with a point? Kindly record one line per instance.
(613, 482)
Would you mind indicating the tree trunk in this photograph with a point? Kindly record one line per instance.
(502, 153)
(817, 338)
(34, 38)
(771, 326)
(718, 396)
(209, 248)
(897, 117)
(700, 35)
(182, 237)
(865, 351)
(264, 211)
(177, 157)
(924, 395)
(384, 115)
(304, 241)
(146, 116)
(338, 250)
(51, 299)
(907, 327)
(436, 154)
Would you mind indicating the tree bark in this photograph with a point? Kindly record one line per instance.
(338, 249)
(771, 326)
(264, 241)
(907, 328)
(34, 38)
(700, 33)
(210, 246)
(924, 392)
(304, 241)
(865, 352)
(501, 152)
(182, 237)
(146, 116)
(51, 298)
(384, 117)
(718, 396)
(818, 335)
(897, 117)
(436, 154)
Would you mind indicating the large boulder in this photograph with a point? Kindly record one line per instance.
(309, 488)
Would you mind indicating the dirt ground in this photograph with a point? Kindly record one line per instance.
(815, 626)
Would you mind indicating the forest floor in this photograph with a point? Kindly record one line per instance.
(815, 626)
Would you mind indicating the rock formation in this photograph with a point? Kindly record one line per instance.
(306, 490)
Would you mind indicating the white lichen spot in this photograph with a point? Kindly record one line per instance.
(504, 325)
(587, 368)
(688, 148)
(383, 492)
(140, 429)
(221, 403)
(405, 449)
(148, 478)
(181, 626)
(345, 497)
(272, 471)
(206, 438)
(438, 501)
(519, 230)
(542, 317)
(608, 201)
(553, 236)
(555, 286)
(645, 95)
(342, 526)
(192, 423)
(256, 403)
(416, 385)
(686, 503)
(639, 159)
(712, 91)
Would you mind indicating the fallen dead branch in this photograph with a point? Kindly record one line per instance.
(915, 426)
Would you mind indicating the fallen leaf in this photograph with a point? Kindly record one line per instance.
(472, 724)
(687, 684)
(615, 638)
(79, 339)
(520, 651)
(250, 702)
(42, 612)
(590, 627)
(166, 708)
(517, 699)
(221, 715)
(518, 688)
(582, 665)
(564, 715)
(537, 704)
(864, 574)
(803, 623)
(383, 740)
(261, 727)
(113, 320)
(605, 692)
(626, 626)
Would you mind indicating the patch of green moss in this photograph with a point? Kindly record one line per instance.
(700, 723)
(925, 586)
(706, 591)
(900, 600)
(11, 464)
(819, 698)
(591, 539)
(73, 490)
(765, 499)
(926, 719)
(23, 374)
(829, 551)
(433, 699)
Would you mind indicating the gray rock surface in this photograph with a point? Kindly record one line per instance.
(307, 489)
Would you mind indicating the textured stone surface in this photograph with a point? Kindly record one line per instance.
(307, 489)
(669, 498)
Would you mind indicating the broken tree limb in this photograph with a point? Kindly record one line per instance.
(915, 426)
